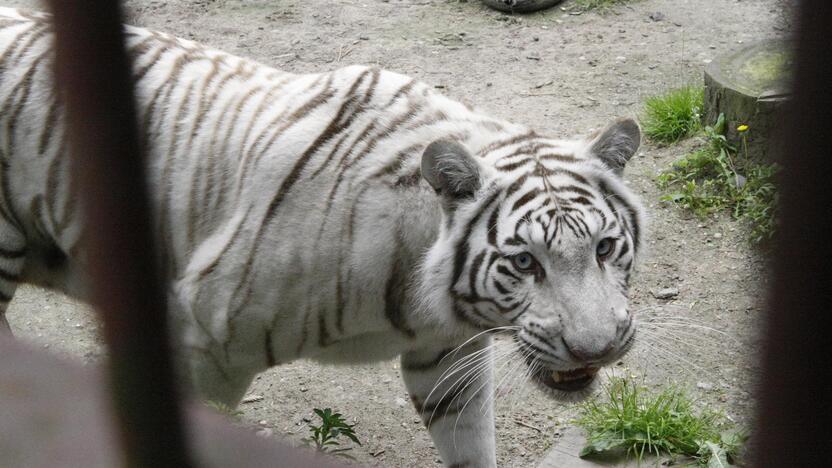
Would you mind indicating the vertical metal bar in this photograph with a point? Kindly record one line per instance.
(95, 85)
(793, 427)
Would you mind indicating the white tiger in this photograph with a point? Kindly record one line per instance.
(348, 216)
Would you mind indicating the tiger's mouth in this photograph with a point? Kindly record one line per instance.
(566, 381)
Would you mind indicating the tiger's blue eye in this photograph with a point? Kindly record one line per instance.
(524, 261)
(605, 247)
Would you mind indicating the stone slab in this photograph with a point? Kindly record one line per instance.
(565, 455)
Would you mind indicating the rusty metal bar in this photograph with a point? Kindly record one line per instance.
(794, 421)
(95, 84)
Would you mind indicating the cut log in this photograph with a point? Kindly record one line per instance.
(521, 6)
(749, 86)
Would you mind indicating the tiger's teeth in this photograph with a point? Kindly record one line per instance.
(557, 377)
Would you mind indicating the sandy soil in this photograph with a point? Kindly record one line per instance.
(563, 74)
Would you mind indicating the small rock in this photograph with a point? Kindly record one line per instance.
(264, 433)
(657, 16)
(518, 449)
(717, 235)
(400, 402)
(262, 422)
(704, 386)
(666, 293)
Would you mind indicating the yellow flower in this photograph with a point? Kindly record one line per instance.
(742, 128)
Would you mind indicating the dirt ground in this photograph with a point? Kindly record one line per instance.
(561, 73)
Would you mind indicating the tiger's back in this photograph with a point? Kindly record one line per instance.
(265, 183)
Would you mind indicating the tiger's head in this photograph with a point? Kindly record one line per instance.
(539, 237)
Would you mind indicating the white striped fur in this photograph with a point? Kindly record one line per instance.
(306, 216)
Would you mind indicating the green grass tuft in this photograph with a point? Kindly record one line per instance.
(713, 178)
(672, 116)
(225, 410)
(663, 424)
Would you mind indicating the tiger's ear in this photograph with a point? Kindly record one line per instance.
(451, 170)
(616, 144)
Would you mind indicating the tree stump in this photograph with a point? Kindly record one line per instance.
(750, 87)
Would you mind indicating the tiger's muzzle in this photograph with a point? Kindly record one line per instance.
(580, 372)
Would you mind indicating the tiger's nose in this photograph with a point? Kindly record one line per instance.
(589, 352)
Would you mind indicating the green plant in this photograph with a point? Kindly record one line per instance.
(663, 424)
(674, 115)
(224, 409)
(332, 427)
(758, 205)
(712, 178)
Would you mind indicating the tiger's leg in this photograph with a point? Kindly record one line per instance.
(214, 382)
(12, 257)
(5, 328)
(203, 361)
(452, 391)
